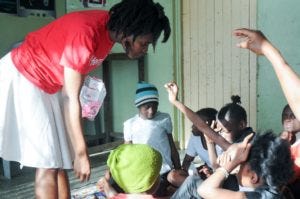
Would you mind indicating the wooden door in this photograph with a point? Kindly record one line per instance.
(213, 68)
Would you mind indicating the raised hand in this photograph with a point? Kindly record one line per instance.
(235, 154)
(253, 40)
(172, 89)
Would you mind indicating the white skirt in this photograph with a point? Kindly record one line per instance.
(32, 129)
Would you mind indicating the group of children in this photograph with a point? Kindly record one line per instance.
(237, 162)
(210, 138)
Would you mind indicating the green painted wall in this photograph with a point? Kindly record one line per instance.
(280, 21)
(14, 28)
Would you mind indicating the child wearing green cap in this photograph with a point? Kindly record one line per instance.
(135, 169)
(154, 128)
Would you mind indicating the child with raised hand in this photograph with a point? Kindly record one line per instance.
(154, 128)
(231, 120)
(197, 146)
(256, 41)
(172, 89)
(259, 169)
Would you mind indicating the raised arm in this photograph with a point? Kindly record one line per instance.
(72, 112)
(230, 159)
(194, 118)
(289, 80)
(212, 153)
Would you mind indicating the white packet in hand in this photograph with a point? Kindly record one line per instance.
(92, 95)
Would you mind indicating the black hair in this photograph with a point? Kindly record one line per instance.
(270, 158)
(283, 114)
(233, 113)
(207, 115)
(139, 17)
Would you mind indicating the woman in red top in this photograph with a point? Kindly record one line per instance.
(40, 82)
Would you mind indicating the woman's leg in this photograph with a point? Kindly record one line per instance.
(46, 183)
(63, 185)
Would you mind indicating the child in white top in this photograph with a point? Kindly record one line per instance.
(154, 128)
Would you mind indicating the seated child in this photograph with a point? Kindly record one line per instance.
(196, 147)
(232, 127)
(154, 128)
(135, 169)
(291, 133)
(291, 126)
(265, 165)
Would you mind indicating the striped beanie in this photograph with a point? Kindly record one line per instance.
(145, 93)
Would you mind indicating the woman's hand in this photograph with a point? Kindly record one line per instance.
(82, 167)
(172, 89)
(253, 40)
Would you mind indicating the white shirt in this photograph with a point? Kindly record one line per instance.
(195, 148)
(152, 132)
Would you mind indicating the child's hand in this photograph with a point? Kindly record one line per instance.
(212, 126)
(102, 182)
(104, 186)
(235, 154)
(172, 89)
(253, 40)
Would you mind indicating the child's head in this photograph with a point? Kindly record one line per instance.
(135, 168)
(289, 121)
(207, 115)
(146, 100)
(231, 119)
(269, 162)
(138, 18)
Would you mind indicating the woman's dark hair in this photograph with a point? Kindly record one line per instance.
(139, 17)
(270, 158)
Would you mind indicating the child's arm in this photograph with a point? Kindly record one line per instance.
(104, 186)
(174, 153)
(289, 80)
(187, 162)
(230, 159)
(212, 153)
(194, 118)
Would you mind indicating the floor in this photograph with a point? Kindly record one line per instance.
(21, 186)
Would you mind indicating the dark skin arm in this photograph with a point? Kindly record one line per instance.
(187, 162)
(194, 118)
(174, 153)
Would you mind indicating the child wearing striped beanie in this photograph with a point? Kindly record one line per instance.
(154, 128)
(145, 93)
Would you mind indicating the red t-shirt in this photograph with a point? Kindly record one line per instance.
(79, 40)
